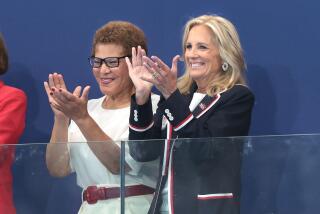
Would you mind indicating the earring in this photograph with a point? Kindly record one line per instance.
(225, 66)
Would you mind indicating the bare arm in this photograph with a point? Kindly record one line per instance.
(57, 154)
(74, 105)
(107, 151)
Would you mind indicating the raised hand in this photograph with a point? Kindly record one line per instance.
(55, 81)
(163, 77)
(73, 105)
(138, 72)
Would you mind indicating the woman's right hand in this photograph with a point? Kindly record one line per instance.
(55, 80)
(138, 72)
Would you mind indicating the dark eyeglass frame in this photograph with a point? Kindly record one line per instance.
(107, 61)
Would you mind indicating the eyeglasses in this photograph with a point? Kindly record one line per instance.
(111, 62)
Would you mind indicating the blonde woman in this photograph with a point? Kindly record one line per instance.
(210, 100)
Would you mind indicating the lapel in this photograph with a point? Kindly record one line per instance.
(205, 104)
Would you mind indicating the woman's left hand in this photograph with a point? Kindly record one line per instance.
(73, 105)
(163, 77)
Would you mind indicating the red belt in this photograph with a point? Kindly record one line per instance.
(93, 193)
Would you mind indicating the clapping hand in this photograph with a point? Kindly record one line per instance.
(138, 72)
(163, 77)
(63, 103)
(55, 81)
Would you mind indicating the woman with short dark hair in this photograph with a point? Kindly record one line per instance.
(99, 124)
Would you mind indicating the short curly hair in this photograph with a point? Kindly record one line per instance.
(4, 61)
(121, 33)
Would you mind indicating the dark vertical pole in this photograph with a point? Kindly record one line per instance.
(122, 177)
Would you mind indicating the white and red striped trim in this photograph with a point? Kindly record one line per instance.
(183, 123)
(140, 129)
(217, 97)
(171, 182)
(166, 154)
(215, 196)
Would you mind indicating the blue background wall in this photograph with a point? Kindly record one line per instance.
(281, 40)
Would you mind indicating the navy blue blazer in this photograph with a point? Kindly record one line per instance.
(203, 176)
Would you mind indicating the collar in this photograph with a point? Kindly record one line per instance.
(205, 104)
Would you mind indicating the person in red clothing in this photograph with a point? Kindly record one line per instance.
(13, 104)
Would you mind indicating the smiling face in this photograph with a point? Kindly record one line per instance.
(202, 56)
(113, 82)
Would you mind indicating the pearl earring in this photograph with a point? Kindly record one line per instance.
(225, 66)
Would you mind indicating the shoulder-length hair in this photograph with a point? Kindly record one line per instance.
(227, 40)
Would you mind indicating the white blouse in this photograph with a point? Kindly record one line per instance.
(115, 123)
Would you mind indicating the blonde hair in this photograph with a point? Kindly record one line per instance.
(227, 40)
